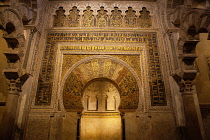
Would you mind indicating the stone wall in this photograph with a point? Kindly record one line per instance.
(150, 126)
(69, 129)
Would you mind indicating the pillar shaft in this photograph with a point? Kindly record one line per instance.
(191, 118)
(8, 119)
(193, 130)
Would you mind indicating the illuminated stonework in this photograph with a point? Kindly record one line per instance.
(157, 89)
(100, 68)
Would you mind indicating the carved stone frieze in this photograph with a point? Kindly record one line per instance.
(102, 19)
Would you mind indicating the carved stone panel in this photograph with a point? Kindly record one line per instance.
(144, 20)
(73, 17)
(102, 18)
(116, 18)
(130, 17)
(88, 17)
(59, 18)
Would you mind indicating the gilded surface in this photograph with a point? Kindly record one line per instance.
(144, 20)
(103, 68)
(95, 68)
(107, 48)
(70, 60)
(72, 93)
(73, 17)
(116, 18)
(130, 18)
(88, 17)
(133, 61)
(158, 97)
(102, 18)
(59, 18)
(129, 90)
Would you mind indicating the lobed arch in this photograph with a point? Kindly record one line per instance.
(101, 86)
(27, 14)
(136, 85)
(190, 30)
(12, 16)
(98, 79)
(176, 16)
(190, 19)
(16, 13)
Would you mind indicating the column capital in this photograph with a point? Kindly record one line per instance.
(14, 86)
(186, 87)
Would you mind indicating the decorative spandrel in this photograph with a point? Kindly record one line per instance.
(72, 93)
(130, 17)
(144, 20)
(129, 89)
(59, 18)
(116, 18)
(88, 17)
(73, 17)
(102, 17)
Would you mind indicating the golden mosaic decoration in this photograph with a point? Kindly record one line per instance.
(157, 89)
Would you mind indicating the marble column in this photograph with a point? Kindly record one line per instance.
(193, 131)
(8, 119)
